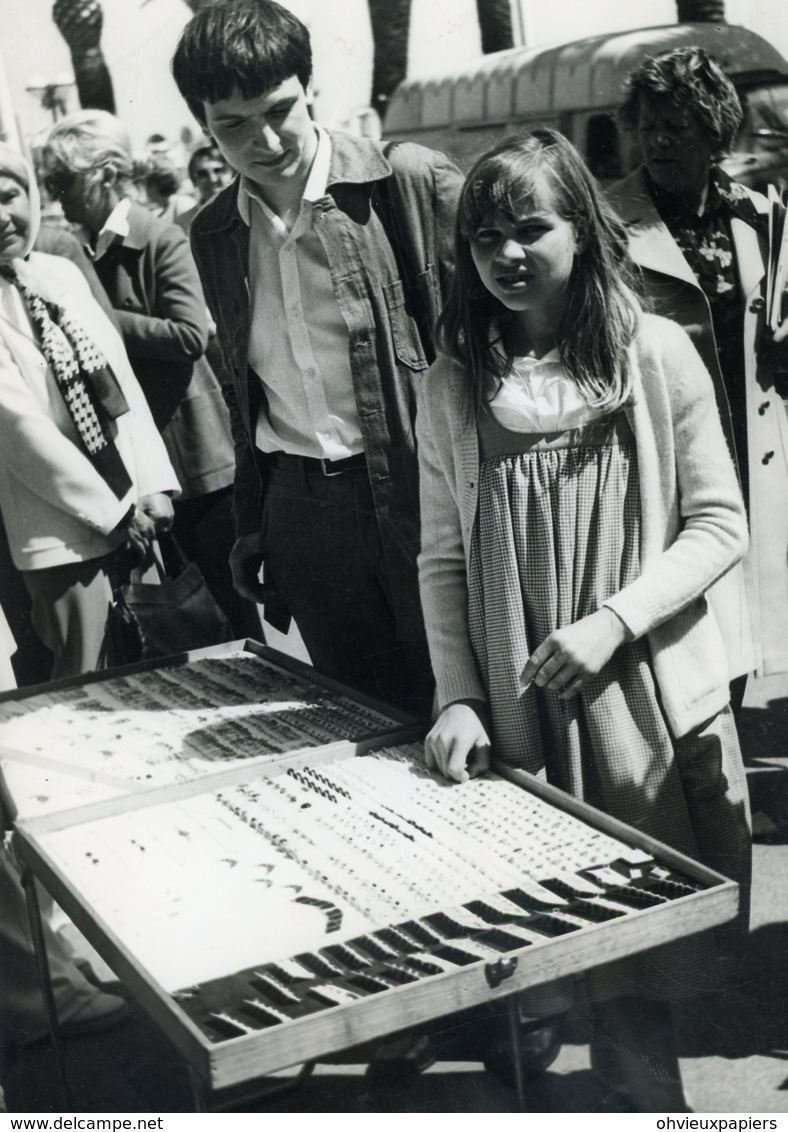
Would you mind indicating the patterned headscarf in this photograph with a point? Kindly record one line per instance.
(88, 386)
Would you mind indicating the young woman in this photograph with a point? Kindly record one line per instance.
(578, 500)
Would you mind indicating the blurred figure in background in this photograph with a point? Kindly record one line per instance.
(209, 173)
(84, 471)
(700, 241)
(162, 186)
(147, 270)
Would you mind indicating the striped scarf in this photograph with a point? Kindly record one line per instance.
(89, 387)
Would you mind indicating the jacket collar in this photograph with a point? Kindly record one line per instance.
(650, 242)
(353, 161)
(652, 246)
(139, 221)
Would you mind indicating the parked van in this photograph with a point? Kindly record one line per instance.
(576, 88)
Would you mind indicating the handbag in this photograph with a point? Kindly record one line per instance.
(174, 615)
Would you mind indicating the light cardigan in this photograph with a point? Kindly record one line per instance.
(56, 507)
(693, 526)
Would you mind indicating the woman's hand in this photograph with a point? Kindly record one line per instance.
(458, 744)
(158, 507)
(570, 657)
(140, 534)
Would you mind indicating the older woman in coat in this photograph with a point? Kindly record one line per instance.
(700, 241)
(84, 472)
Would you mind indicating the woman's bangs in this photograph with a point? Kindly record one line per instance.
(504, 187)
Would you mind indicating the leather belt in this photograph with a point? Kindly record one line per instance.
(311, 465)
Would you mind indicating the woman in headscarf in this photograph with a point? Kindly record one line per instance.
(700, 241)
(84, 472)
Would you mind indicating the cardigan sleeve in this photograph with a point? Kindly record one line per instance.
(706, 510)
(443, 580)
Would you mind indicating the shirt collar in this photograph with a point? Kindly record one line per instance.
(496, 341)
(316, 183)
(116, 227)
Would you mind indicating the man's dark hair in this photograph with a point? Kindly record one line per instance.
(248, 45)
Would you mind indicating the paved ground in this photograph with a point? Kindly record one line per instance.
(734, 1047)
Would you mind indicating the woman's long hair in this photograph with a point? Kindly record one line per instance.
(601, 314)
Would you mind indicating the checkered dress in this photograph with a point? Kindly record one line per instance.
(557, 533)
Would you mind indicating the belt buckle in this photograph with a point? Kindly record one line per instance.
(328, 475)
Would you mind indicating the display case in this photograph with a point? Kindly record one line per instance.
(81, 740)
(272, 902)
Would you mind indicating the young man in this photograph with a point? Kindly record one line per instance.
(323, 272)
(209, 174)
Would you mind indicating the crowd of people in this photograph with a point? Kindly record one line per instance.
(492, 441)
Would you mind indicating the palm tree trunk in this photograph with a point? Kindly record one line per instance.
(390, 21)
(495, 24)
(80, 23)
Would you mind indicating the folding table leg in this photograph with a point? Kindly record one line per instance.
(199, 1091)
(513, 1018)
(45, 975)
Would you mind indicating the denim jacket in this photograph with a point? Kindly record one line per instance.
(387, 356)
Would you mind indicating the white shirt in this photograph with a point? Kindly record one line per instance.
(115, 227)
(299, 343)
(538, 396)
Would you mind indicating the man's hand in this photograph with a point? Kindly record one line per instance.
(458, 744)
(246, 558)
(567, 659)
(158, 507)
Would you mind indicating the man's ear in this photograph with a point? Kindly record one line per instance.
(109, 176)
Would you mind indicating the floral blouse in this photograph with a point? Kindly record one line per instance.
(705, 240)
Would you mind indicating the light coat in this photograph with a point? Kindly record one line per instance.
(56, 507)
(671, 286)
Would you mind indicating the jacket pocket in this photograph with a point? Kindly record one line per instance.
(198, 436)
(691, 666)
(404, 331)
